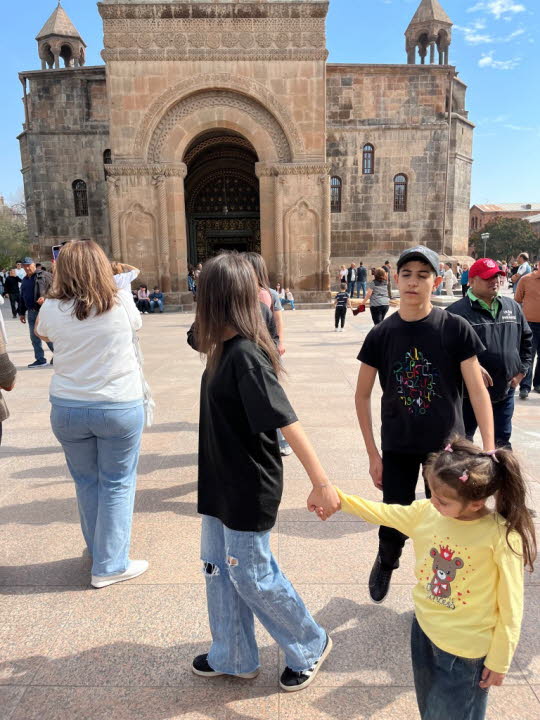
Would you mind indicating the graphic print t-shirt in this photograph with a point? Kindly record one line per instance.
(240, 468)
(341, 299)
(469, 593)
(420, 375)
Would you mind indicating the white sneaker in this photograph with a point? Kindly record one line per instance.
(133, 570)
(336, 330)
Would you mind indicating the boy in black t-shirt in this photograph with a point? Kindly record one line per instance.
(422, 359)
(341, 303)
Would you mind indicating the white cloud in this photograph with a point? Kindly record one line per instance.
(474, 34)
(499, 8)
(488, 61)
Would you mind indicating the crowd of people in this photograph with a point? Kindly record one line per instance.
(443, 373)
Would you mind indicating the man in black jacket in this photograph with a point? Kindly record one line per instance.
(11, 289)
(503, 329)
(34, 287)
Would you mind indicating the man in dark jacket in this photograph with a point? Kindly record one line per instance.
(501, 326)
(34, 287)
(351, 280)
(12, 290)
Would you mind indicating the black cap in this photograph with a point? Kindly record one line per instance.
(420, 252)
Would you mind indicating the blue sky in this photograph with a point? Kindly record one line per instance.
(495, 47)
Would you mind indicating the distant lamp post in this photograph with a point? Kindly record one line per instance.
(485, 238)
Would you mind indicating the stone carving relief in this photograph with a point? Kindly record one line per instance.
(226, 81)
(218, 98)
(139, 241)
(219, 140)
(157, 11)
(303, 232)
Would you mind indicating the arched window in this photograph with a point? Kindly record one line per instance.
(335, 194)
(368, 160)
(107, 160)
(80, 198)
(400, 193)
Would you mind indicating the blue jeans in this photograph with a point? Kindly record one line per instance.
(153, 304)
(32, 316)
(350, 288)
(288, 302)
(362, 285)
(447, 686)
(243, 580)
(503, 411)
(102, 451)
(528, 380)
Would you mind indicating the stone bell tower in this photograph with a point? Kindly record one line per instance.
(59, 39)
(430, 28)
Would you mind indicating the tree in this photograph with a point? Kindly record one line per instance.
(13, 234)
(507, 238)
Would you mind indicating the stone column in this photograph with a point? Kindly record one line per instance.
(159, 181)
(112, 190)
(176, 216)
(432, 52)
(279, 182)
(326, 230)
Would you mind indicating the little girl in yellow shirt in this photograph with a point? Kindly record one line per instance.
(469, 565)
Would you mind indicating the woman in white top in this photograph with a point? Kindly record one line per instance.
(96, 395)
(449, 279)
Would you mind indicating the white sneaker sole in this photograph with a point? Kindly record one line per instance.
(296, 688)
(244, 676)
(104, 582)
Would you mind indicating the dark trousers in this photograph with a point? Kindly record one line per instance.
(378, 313)
(447, 686)
(464, 289)
(400, 476)
(340, 316)
(350, 288)
(528, 381)
(14, 299)
(503, 412)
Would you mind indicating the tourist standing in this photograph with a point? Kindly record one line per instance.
(342, 275)
(34, 288)
(422, 355)
(341, 303)
(387, 267)
(377, 296)
(351, 279)
(21, 273)
(499, 323)
(449, 279)
(523, 269)
(468, 600)
(361, 280)
(12, 286)
(8, 373)
(240, 484)
(528, 296)
(96, 395)
(464, 280)
(124, 275)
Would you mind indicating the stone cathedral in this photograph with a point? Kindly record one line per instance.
(219, 124)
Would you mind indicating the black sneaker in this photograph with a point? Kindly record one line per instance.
(201, 667)
(38, 363)
(537, 388)
(379, 581)
(523, 394)
(291, 681)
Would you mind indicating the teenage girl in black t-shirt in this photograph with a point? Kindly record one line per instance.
(241, 481)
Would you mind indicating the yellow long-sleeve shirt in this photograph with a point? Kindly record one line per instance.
(469, 595)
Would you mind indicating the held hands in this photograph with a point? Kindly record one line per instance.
(324, 501)
(490, 678)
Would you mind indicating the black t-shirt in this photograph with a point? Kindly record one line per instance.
(342, 298)
(420, 375)
(240, 468)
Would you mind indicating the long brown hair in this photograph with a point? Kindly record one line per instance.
(499, 475)
(84, 274)
(228, 297)
(257, 262)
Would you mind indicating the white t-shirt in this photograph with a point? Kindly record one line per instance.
(123, 280)
(21, 273)
(94, 359)
(524, 269)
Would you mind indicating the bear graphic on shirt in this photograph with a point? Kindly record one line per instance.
(445, 567)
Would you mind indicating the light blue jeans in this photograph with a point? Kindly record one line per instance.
(244, 580)
(102, 452)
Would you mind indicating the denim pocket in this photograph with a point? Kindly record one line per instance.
(59, 417)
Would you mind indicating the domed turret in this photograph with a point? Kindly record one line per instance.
(60, 39)
(430, 28)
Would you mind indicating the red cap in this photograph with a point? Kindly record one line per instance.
(485, 268)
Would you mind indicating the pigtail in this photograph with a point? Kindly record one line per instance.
(510, 502)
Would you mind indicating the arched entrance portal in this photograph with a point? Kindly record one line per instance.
(222, 195)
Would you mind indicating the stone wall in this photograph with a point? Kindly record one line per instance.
(63, 140)
(400, 110)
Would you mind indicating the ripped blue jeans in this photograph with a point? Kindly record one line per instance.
(243, 580)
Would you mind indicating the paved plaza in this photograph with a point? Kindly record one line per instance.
(70, 652)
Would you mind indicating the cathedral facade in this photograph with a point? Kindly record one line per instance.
(220, 125)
